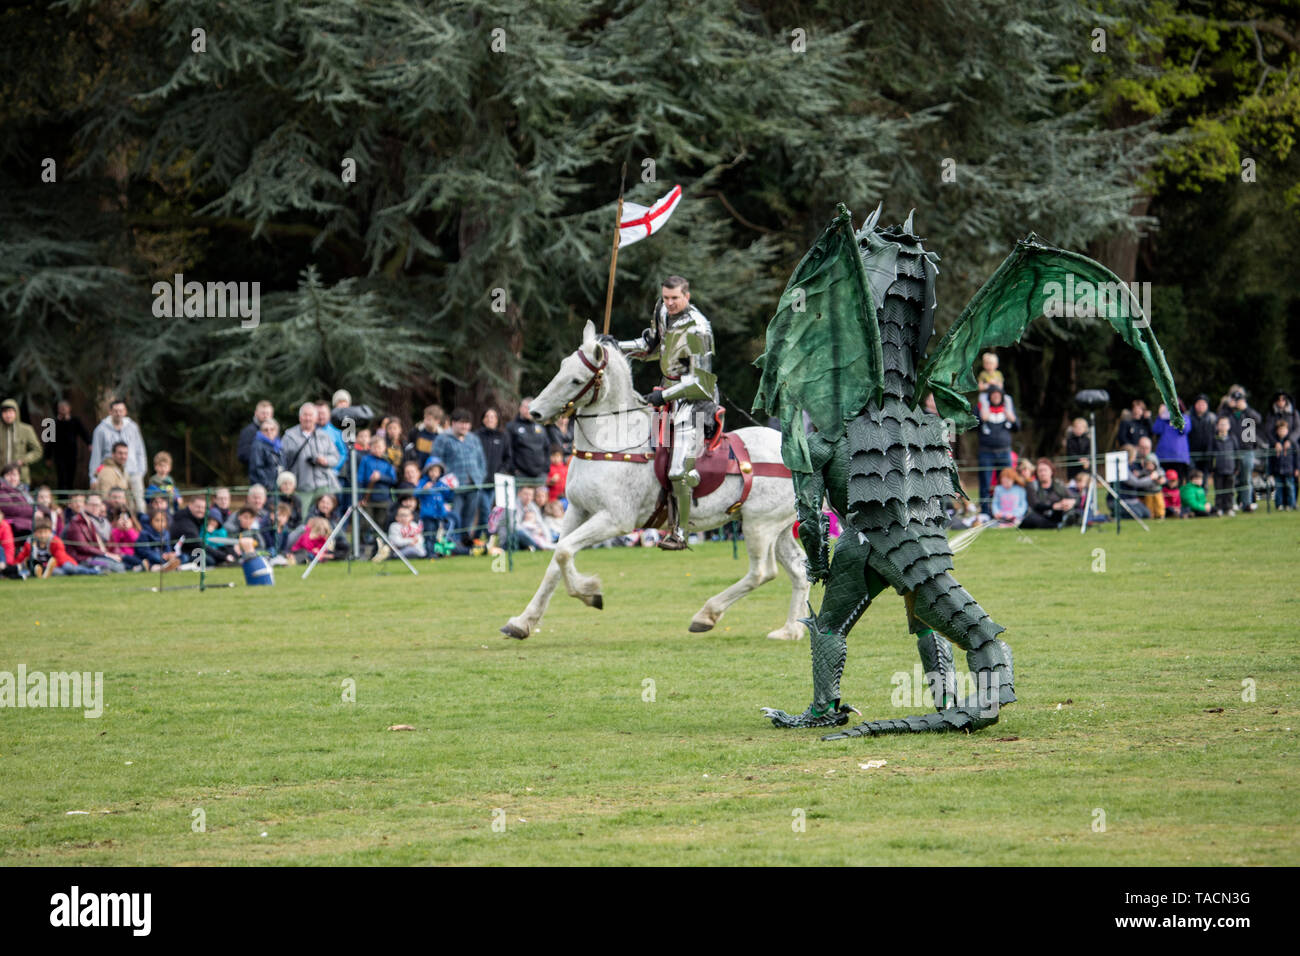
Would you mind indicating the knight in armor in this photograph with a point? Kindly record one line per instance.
(682, 340)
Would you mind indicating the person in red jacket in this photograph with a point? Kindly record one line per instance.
(44, 553)
(7, 566)
(86, 541)
(558, 474)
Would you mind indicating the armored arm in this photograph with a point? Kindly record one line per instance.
(646, 345)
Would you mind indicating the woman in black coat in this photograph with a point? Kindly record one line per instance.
(495, 442)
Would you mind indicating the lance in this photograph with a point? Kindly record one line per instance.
(613, 256)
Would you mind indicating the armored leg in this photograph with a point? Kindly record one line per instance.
(687, 435)
(849, 591)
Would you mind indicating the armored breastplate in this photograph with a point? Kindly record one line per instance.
(685, 336)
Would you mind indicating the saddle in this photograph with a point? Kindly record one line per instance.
(724, 454)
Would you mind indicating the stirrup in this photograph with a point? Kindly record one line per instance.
(673, 541)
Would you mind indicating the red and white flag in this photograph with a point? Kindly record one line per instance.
(641, 221)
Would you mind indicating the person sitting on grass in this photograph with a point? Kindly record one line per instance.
(256, 498)
(553, 518)
(75, 506)
(1025, 473)
(327, 507)
(15, 504)
(8, 566)
(47, 509)
(407, 536)
(125, 531)
(116, 502)
(282, 532)
(1145, 471)
(191, 524)
(220, 506)
(214, 538)
(88, 535)
(154, 545)
(1193, 494)
(244, 523)
(1009, 502)
(1050, 505)
(311, 543)
(286, 486)
(1284, 465)
(530, 531)
(44, 554)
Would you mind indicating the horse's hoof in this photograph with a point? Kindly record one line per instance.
(698, 628)
(598, 602)
(518, 633)
(783, 635)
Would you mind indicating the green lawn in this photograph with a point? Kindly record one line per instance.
(1130, 684)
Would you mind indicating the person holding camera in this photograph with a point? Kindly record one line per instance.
(310, 455)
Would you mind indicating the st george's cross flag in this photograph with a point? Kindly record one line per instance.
(641, 221)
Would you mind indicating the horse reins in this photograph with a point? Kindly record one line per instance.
(569, 409)
(597, 378)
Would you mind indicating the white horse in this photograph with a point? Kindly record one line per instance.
(610, 496)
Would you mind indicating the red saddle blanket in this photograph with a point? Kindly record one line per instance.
(724, 454)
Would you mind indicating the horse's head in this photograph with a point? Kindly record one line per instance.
(589, 378)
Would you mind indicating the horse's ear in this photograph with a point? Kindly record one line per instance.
(598, 352)
(588, 332)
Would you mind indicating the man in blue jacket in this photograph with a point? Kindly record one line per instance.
(462, 453)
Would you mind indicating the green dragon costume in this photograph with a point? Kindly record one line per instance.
(845, 350)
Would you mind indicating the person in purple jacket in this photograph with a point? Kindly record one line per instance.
(1171, 443)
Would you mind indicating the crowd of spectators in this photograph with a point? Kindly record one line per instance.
(430, 486)
(1218, 463)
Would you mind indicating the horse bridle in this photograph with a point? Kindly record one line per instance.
(596, 380)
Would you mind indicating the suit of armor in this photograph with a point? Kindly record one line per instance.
(683, 344)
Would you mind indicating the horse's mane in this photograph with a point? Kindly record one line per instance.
(610, 343)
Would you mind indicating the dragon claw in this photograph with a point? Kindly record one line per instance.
(833, 717)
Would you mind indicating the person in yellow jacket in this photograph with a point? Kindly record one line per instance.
(18, 441)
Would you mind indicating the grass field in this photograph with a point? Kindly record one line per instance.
(231, 702)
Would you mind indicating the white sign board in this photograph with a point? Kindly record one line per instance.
(1116, 466)
(504, 487)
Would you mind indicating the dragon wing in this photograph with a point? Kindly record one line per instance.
(1031, 280)
(823, 345)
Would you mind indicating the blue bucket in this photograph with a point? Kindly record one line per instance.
(257, 571)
